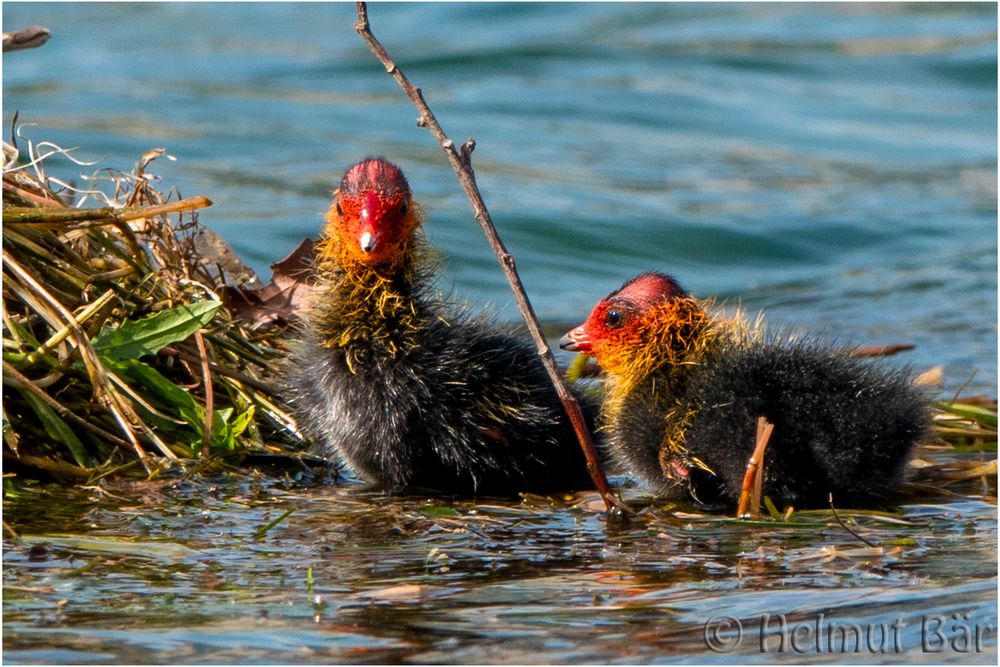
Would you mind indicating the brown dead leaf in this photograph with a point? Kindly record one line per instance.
(215, 252)
(278, 303)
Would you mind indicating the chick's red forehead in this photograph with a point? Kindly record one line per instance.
(649, 289)
(377, 175)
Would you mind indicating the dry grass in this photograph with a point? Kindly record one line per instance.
(116, 346)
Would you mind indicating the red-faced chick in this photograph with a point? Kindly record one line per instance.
(686, 389)
(413, 393)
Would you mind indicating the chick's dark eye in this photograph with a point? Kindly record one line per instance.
(614, 318)
(340, 211)
(403, 208)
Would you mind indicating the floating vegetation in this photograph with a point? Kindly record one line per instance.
(969, 423)
(362, 577)
(117, 346)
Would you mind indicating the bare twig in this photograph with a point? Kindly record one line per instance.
(750, 490)
(958, 392)
(87, 217)
(25, 38)
(461, 161)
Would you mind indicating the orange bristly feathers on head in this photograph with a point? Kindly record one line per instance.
(667, 339)
(670, 333)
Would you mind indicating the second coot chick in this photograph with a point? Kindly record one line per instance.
(686, 389)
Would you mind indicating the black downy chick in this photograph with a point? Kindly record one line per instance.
(412, 392)
(686, 390)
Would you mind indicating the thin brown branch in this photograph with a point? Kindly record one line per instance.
(206, 379)
(958, 392)
(88, 217)
(750, 490)
(461, 162)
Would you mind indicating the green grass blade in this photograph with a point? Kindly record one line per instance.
(159, 391)
(135, 338)
(772, 510)
(262, 531)
(981, 415)
(58, 430)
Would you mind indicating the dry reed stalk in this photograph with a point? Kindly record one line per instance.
(116, 346)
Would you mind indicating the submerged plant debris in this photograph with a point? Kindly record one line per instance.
(251, 569)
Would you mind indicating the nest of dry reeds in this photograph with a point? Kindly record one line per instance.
(117, 347)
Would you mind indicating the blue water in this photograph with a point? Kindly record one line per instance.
(834, 165)
(174, 572)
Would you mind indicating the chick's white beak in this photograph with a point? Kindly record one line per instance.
(576, 340)
(367, 242)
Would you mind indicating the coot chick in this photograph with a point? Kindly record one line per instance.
(686, 390)
(414, 393)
